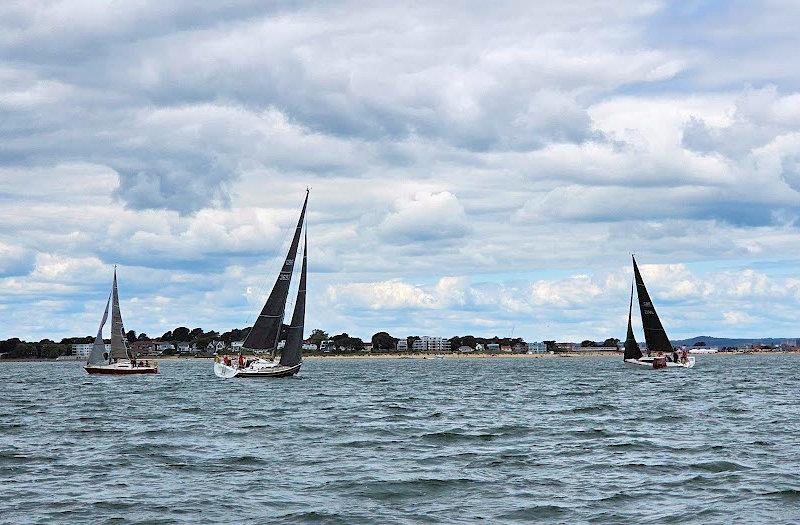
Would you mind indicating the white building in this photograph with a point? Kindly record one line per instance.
(431, 344)
(402, 345)
(84, 349)
(327, 346)
(537, 347)
(236, 346)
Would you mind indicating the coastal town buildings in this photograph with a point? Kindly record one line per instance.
(402, 345)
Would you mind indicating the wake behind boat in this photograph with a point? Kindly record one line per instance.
(661, 354)
(120, 361)
(265, 334)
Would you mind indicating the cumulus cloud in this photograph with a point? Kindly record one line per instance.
(425, 217)
(524, 147)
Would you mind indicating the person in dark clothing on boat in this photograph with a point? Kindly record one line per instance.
(133, 362)
(241, 361)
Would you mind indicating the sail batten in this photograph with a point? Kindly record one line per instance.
(654, 334)
(267, 326)
(292, 351)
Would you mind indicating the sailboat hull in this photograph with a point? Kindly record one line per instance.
(120, 369)
(277, 371)
(647, 362)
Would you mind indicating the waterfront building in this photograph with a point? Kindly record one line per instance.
(537, 347)
(402, 345)
(327, 345)
(186, 347)
(492, 347)
(236, 346)
(83, 350)
(465, 349)
(431, 344)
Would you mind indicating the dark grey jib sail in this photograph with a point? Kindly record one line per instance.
(267, 327)
(654, 334)
(632, 350)
(292, 352)
(96, 356)
(119, 345)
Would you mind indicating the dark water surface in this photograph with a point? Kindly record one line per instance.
(405, 441)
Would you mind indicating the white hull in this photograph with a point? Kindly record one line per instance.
(647, 362)
(259, 368)
(120, 369)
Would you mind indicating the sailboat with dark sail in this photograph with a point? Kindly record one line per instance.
(120, 360)
(661, 354)
(265, 336)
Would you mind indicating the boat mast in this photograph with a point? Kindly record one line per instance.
(654, 334)
(267, 326)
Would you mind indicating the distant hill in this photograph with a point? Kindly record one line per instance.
(725, 341)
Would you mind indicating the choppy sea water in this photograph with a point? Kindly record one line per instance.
(579, 440)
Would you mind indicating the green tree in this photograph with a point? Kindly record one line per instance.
(130, 336)
(143, 337)
(383, 341)
(611, 341)
(700, 343)
(317, 336)
(550, 345)
(588, 344)
(181, 334)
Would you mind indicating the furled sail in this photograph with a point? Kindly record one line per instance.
(632, 350)
(654, 334)
(119, 345)
(266, 328)
(292, 352)
(96, 356)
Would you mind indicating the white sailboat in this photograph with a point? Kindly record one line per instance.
(661, 354)
(120, 361)
(265, 334)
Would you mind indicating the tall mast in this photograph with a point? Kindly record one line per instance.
(267, 327)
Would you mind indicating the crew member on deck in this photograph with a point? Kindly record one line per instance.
(241, 360)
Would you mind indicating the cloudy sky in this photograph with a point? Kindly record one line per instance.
(474, 169)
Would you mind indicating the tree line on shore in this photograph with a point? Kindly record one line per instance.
(15, 348)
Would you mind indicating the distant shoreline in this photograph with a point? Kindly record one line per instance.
(318, 357)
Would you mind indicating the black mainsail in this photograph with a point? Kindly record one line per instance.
(267, 327)
(119, 345)
(654, 334)
(292, 352)
(97, 355)
(632, 350)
